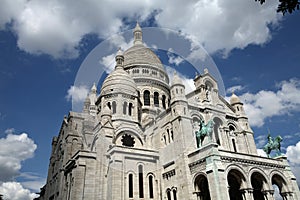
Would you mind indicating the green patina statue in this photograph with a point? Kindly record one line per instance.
(204, 130)
(273, 144)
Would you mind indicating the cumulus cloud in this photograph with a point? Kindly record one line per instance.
(15, 191)
(13, 150)
(77, 94)
(284, 101)
(293, 155)
(57, 27)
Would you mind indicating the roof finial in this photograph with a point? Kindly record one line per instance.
(138, 35)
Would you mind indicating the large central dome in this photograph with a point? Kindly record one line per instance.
(139, 54)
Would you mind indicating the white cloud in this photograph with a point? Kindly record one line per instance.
(173, 59)
(9, 131)
(108, 62)
(15, 191)
(284, 101)
(261, 153)
(261, 140)
(13, 150)
(293, 155)
(32, 181)
(187, 82)
(235, 88)
(77, 94)
(57, 27)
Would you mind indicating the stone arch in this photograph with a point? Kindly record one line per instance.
(217, 134)
(138, 142)
(237, 182)
(196, 119)
(280, 181)
(259, 183)
(209, 82)
(201, 186)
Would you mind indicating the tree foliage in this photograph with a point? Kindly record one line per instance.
(286, 5)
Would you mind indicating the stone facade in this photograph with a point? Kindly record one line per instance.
(136, 140)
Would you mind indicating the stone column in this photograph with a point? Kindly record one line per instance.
(269, 194)
(249, 194)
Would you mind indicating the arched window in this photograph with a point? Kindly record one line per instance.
(130, 186)
(218, 124)
(124, 108)
(141, 182)
(163, 101)
(108, 105)
(169, 194)
(165, 139)
(114, 107)
(151, 195)
(146, 98)
(234, 146)
(130, 109)
(156, 99)
(258, 182)
(174, 195)
(202, 188)
(172, 136)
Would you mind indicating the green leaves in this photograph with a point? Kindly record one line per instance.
(285, 5)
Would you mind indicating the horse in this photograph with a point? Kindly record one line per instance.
(203, 131)
(273, 144)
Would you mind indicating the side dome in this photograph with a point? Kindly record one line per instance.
(234, 99)
(119, 81)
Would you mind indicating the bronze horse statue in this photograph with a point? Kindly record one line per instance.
(204, 130)
(273, 144)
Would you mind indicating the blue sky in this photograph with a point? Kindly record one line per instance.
(256, 50)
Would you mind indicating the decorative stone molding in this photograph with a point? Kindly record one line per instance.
(169, 174)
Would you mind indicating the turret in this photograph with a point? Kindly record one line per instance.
(178, 98)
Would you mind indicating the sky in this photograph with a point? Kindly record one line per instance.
(43, 45)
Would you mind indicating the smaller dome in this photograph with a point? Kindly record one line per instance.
(234, 99)
(119, 81)
(176, 79)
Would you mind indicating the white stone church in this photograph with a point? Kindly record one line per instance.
(136, 140)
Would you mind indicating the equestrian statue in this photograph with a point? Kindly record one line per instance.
(204, 130)
(273, 144)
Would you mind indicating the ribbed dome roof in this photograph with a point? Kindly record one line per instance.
(176, 79)
(139, 54)
(119, 81)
